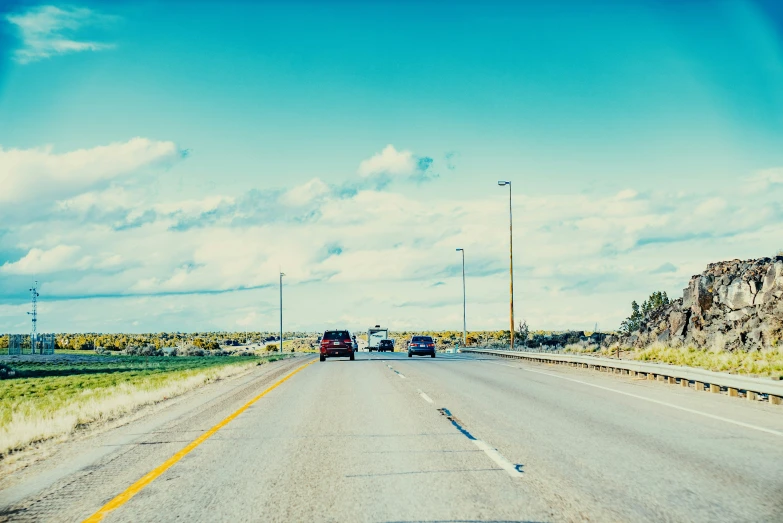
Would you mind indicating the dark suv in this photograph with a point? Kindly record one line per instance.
(385, 345)
(337, 344)
(421, 346)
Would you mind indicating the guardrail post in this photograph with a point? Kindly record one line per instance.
(650, 376)
(733, 392)
(698, 385)
(661, 378)
(752, 396)
(715, 389)
(672, 381)
(684, 383)
(775, 400)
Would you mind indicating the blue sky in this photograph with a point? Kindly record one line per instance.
(161, 159)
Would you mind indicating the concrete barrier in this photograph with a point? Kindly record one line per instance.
(753, 388)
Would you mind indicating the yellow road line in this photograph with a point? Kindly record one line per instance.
(150, 476)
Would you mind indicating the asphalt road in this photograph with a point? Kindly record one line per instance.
(455, 438)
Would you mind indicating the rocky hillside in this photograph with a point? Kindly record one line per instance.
(733, 305)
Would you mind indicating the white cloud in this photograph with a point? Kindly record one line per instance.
(370, 256)
(193, 206)
(389, 161)
(251, 319)
(305, 193)
(763, 180)
(39, 261)
(49, 30)
(35, 174)
(710, 207)
(626, 194)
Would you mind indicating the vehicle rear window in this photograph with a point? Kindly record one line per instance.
(336, 335)
(425, 339)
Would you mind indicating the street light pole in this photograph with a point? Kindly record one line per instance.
(511, 260)
(281, 312)
(464, 312)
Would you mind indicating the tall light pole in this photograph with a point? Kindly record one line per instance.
(281, 311)
(464, 313)
(34, 313)
(511, 259)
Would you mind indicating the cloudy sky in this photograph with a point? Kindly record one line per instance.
(161, 161)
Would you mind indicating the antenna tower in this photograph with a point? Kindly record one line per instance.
(34, 298)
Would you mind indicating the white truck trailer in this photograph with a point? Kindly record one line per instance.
(374, 337)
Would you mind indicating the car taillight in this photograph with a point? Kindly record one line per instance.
(430, 345)
(347, 341)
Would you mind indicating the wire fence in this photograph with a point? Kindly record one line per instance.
(21, 344)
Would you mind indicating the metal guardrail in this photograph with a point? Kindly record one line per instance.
(702, 379)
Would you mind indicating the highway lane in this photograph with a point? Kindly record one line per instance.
(589, 438)
(369, 441)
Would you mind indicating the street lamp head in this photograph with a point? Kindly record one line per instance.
(460, 250)
(502, 183)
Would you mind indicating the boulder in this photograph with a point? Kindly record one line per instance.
(678, 320)
(772, 286)
(701, 294)
(739, 295)
(740, 314)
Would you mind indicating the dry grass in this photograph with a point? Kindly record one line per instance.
(757, 363)
(584, 347)
(760, 363)
(38, 409)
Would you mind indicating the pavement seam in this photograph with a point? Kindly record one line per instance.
(515, 471)
(396, 371)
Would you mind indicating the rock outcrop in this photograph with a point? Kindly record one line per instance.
(733, 305)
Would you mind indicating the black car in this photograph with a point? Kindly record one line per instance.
(421, 346)
(386, 345)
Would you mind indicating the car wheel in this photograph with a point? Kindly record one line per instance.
(352, 357)
(323, 358)
(432, 355)
(410, 355)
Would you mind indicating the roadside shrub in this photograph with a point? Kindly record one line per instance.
(192, 351)
(6, 372)
(150, 350)
(135, 350)
(130, 350)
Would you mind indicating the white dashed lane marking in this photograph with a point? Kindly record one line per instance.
(425, 397)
